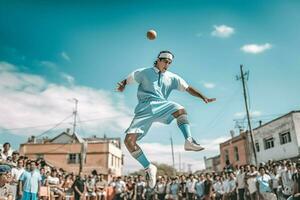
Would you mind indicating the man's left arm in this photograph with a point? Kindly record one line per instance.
(194, 92)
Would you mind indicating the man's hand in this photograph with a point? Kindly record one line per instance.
(120, 87)
(296, 195)
(209, 100)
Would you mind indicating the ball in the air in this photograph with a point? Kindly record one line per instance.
(151, 34)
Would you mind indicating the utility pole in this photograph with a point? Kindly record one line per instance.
(82, 155)
(242, 77)
(75, 114)
(173, 159)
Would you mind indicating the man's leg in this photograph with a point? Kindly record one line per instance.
(135, 150)
(138, 154)
(184, 126)
(183, 123)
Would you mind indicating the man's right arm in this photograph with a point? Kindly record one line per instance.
(121, 85)
(131, 78)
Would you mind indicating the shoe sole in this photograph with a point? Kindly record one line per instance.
(194, 149)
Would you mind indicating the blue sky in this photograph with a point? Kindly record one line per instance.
(53, 52)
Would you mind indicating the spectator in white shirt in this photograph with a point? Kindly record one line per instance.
(286, 180)
(251, 182)
(190, 186)
(240, 179)
(275, 176)
(17, 171)
(6, 151)
(218, 188)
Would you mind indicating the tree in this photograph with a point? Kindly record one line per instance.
(162, 169)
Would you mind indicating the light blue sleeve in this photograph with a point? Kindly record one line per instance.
(135, 76)
(180, 83)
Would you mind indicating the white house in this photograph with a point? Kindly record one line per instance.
(278, 139)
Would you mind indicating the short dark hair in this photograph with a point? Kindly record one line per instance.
(262, 168)
(6, 143)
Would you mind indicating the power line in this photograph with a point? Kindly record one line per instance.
(43, 133)
(220, 114)
(45, 125)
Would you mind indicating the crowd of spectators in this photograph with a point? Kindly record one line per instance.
(26, 179)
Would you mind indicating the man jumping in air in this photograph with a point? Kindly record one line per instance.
(155, 86)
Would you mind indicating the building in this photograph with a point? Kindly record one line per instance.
(278, 139)
(71, 152)
(236, 150)
(212, 163)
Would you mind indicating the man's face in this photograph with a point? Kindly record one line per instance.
(20, 163)
(6, 147)
(163, 64)
(81, 175)
(3, 179)
(32, 166)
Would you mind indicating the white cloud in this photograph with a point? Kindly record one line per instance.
(30, 100)
(48, 64)
(209, 85)
(256, 48)
(255, 113)
(70, 79)
(161, 153)
(222, 31)
(65, 56)
(4, 66)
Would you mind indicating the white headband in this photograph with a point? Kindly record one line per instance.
(166, 55)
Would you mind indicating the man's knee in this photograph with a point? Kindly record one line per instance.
(130, 142)
(179, 112)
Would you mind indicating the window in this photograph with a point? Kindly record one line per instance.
(257, 146)
(226, 156)
(112, 160)
(236, 153)
(269, 143)
(285, 137)
(73, 158)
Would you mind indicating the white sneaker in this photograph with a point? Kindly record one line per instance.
(192, 145)
(151, 175)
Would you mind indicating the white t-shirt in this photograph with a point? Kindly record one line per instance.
(3, 156)
(120, 186)
(190, 185)
(226, 186)
(17, 172)
(252, 182)
(287, 182)
(240, 179)
(218, 187)
(275, 180)
(53, 180)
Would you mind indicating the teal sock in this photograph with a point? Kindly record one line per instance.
(185, 129)
(184, 126)
(141, 158)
